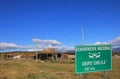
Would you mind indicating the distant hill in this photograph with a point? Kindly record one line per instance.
(116, 50)
(70, 51)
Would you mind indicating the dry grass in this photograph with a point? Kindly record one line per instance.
(29, 69)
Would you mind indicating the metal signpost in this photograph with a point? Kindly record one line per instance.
(93, 58)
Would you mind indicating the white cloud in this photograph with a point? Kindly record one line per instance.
(115, 41)
(27, 48)
(52, 42)
(64, 48)
(4, 45)
(41, 44)
(46, 43)
(98, 42)
(36, 40)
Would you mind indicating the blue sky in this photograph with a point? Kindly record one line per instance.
(59, 20)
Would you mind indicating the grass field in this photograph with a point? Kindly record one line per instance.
(29, 69)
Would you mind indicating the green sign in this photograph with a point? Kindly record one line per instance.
(93, 58)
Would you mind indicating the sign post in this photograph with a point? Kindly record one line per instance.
(93, 58)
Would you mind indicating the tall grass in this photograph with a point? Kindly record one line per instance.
(29, 69)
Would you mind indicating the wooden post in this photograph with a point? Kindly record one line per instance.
(56, 57)
(105, 75)
(80, 76)
(0, 56)
(36, 55)
(47, 55)
(61, 55)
